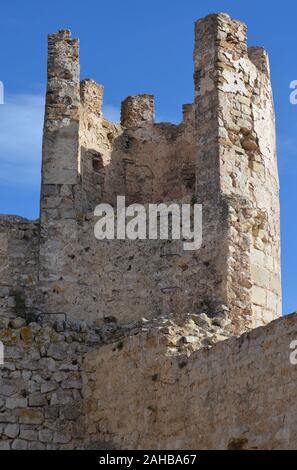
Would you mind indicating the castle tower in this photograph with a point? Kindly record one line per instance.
(60, 155)
(223, 155)
(237, 177)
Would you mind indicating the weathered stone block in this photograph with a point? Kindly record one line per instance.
(37, 399)
(12, 430)
(29, 416)
(13, 403)
(45, 436)
(28, 434)
(4, 445)
(19, 444)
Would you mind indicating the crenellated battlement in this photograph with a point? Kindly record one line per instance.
(137, 110)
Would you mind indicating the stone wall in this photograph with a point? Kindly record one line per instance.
(166, 384)
(40, 386)
(19, 245)
(238, 394)
(42, 379)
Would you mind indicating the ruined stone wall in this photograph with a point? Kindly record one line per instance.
(239, 394)
(40, 386)
(162, 384)
(93, 279)
(139, 159)
(218, 156)
(113, 279)
(43, 381)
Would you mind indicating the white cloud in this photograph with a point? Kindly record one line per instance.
(21, 122)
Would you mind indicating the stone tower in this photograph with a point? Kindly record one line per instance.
(222, 154)
(164, 318)
(236, 166)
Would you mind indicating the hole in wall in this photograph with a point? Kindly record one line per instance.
(237, 443)
(97, 162)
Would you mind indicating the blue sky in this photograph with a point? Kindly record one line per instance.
(134, 47)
